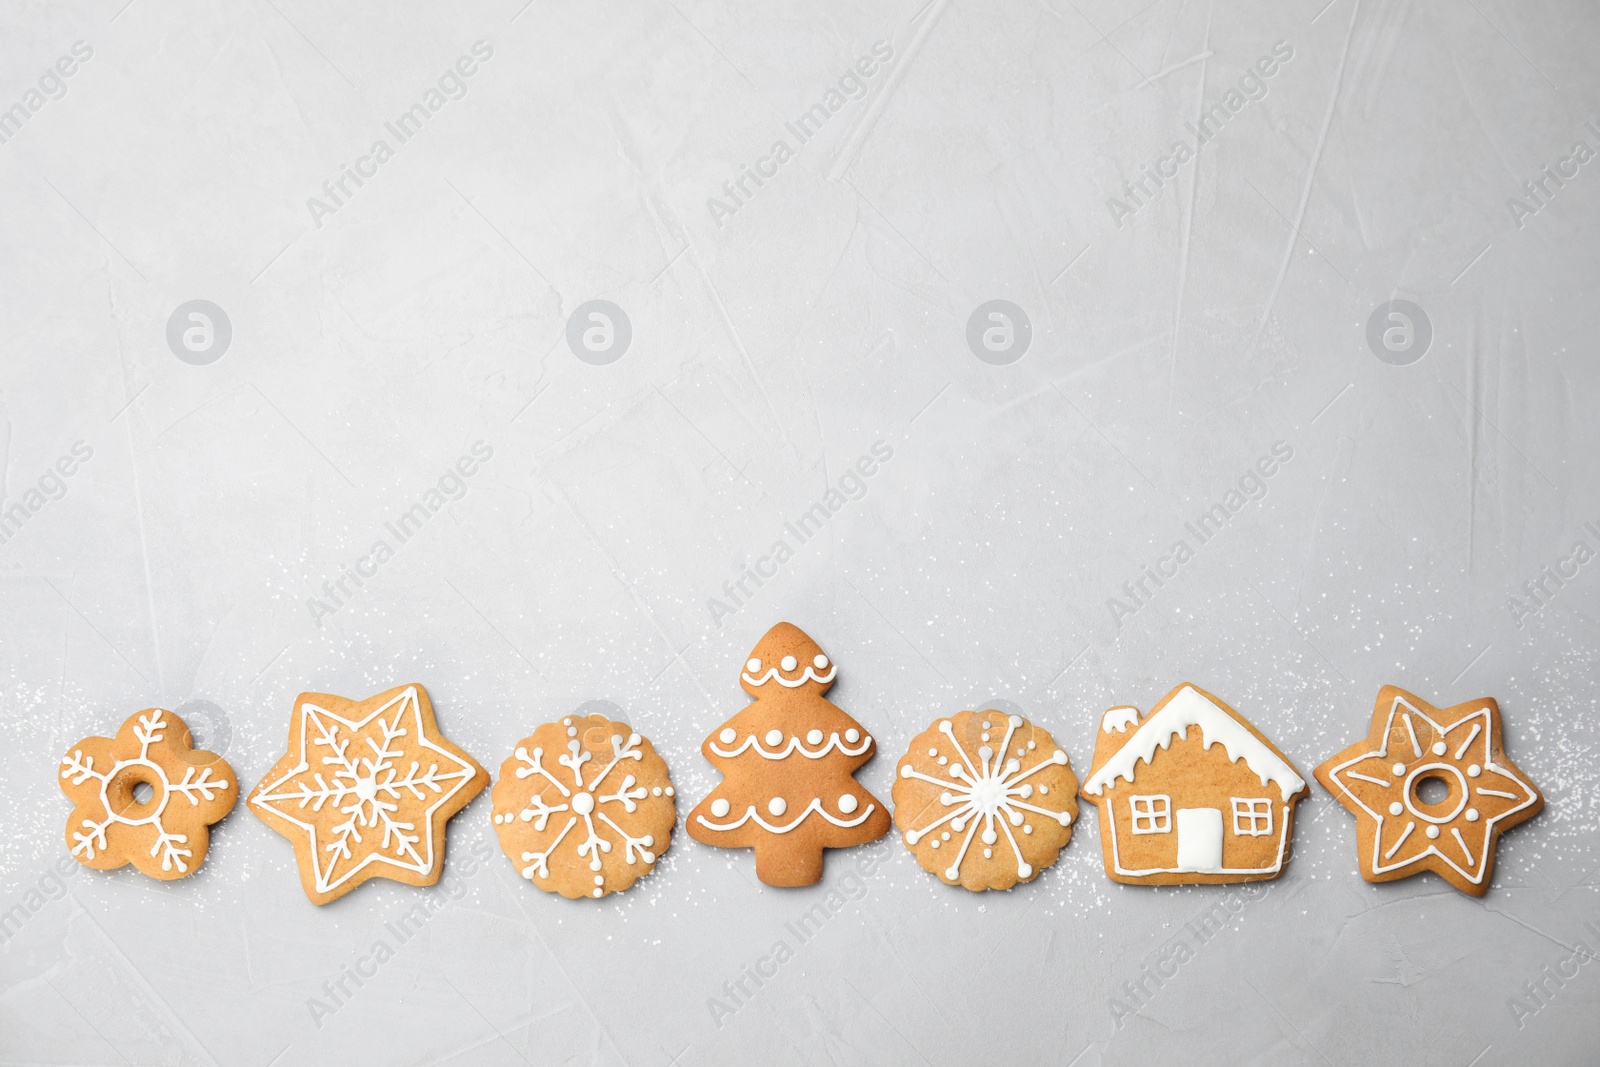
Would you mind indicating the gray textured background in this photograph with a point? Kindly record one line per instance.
(372, 345)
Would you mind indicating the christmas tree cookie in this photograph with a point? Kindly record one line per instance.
(789, 760)
(146, 797)
(584, 807)
(1456, 752)
(985, 799)
(365, 790)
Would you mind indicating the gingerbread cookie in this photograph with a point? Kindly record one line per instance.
(1191, 793)
(1456, 751)
(994, 776)
(146, 797)
(365, 789)
(595, 785)
(789, 760)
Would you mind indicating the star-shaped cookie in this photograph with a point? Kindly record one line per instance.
(365, 789)
(1455, 752)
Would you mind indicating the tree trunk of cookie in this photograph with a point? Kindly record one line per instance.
(784, 867)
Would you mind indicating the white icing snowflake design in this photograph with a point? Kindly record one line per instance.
(368, 775)
(990, 794)
(582, 801)
(90, 840)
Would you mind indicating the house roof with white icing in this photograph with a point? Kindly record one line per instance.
(1188, 708)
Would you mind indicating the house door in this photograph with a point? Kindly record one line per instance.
(1199, 839)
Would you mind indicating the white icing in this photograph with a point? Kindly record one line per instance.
(848, 803)
(1188, 708)
(586, 802)
(79, 768)
(852, 735)
(815, 806)
(1470, 760)
(777, 806)
(809, 675)
(774, 751)
(989, 794)
(820, 662)
(789, 663)
(326, 737)
(1199, 840)
(1118, 719)
(728, 735)
(814, 737)
(754, 666)
(719, 807)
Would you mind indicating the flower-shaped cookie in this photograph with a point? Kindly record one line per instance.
(990, 776)
(584, 807)
(145, 797)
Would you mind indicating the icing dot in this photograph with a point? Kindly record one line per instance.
(599, 879)
(986, 735)
(774, 738)
(754, 666)
(1399, 768)
(1043, 789)
(1472, 814)
(1438, 748)
(1433, 831)
(1027, 828)
(988, 853)
(1474, 770)
(945, 836)
(567, 721)
(943, 760)
(728, 735)
(814, 737)
(821, 662)
(777, 805)
(933, 752)
(1032, 745)
(572, 731)
(656, 791)
(1396, 808)
(847, 803)
(599, 892)
(935, 843)
(789, 663)
(852, 735)
(719, 807)
(668, 791)
(583, 803)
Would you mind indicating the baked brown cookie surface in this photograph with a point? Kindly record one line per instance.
(584, 807)
(146, 796)
(365, 790)
(985, 800)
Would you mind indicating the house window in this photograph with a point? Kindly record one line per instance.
(1151, 815)
(1252, 818)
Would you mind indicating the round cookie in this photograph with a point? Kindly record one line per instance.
(584, 807)
(145, 797)
(985, 800)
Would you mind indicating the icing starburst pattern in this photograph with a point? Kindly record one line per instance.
(176, 809)
(376, 772)
(602, 802)
(987, 797)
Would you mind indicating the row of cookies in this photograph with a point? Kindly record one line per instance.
(1189, 793)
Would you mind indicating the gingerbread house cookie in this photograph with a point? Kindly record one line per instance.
(1191, 793)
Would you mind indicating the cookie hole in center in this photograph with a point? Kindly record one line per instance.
(1433, 790)
(143, 792)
